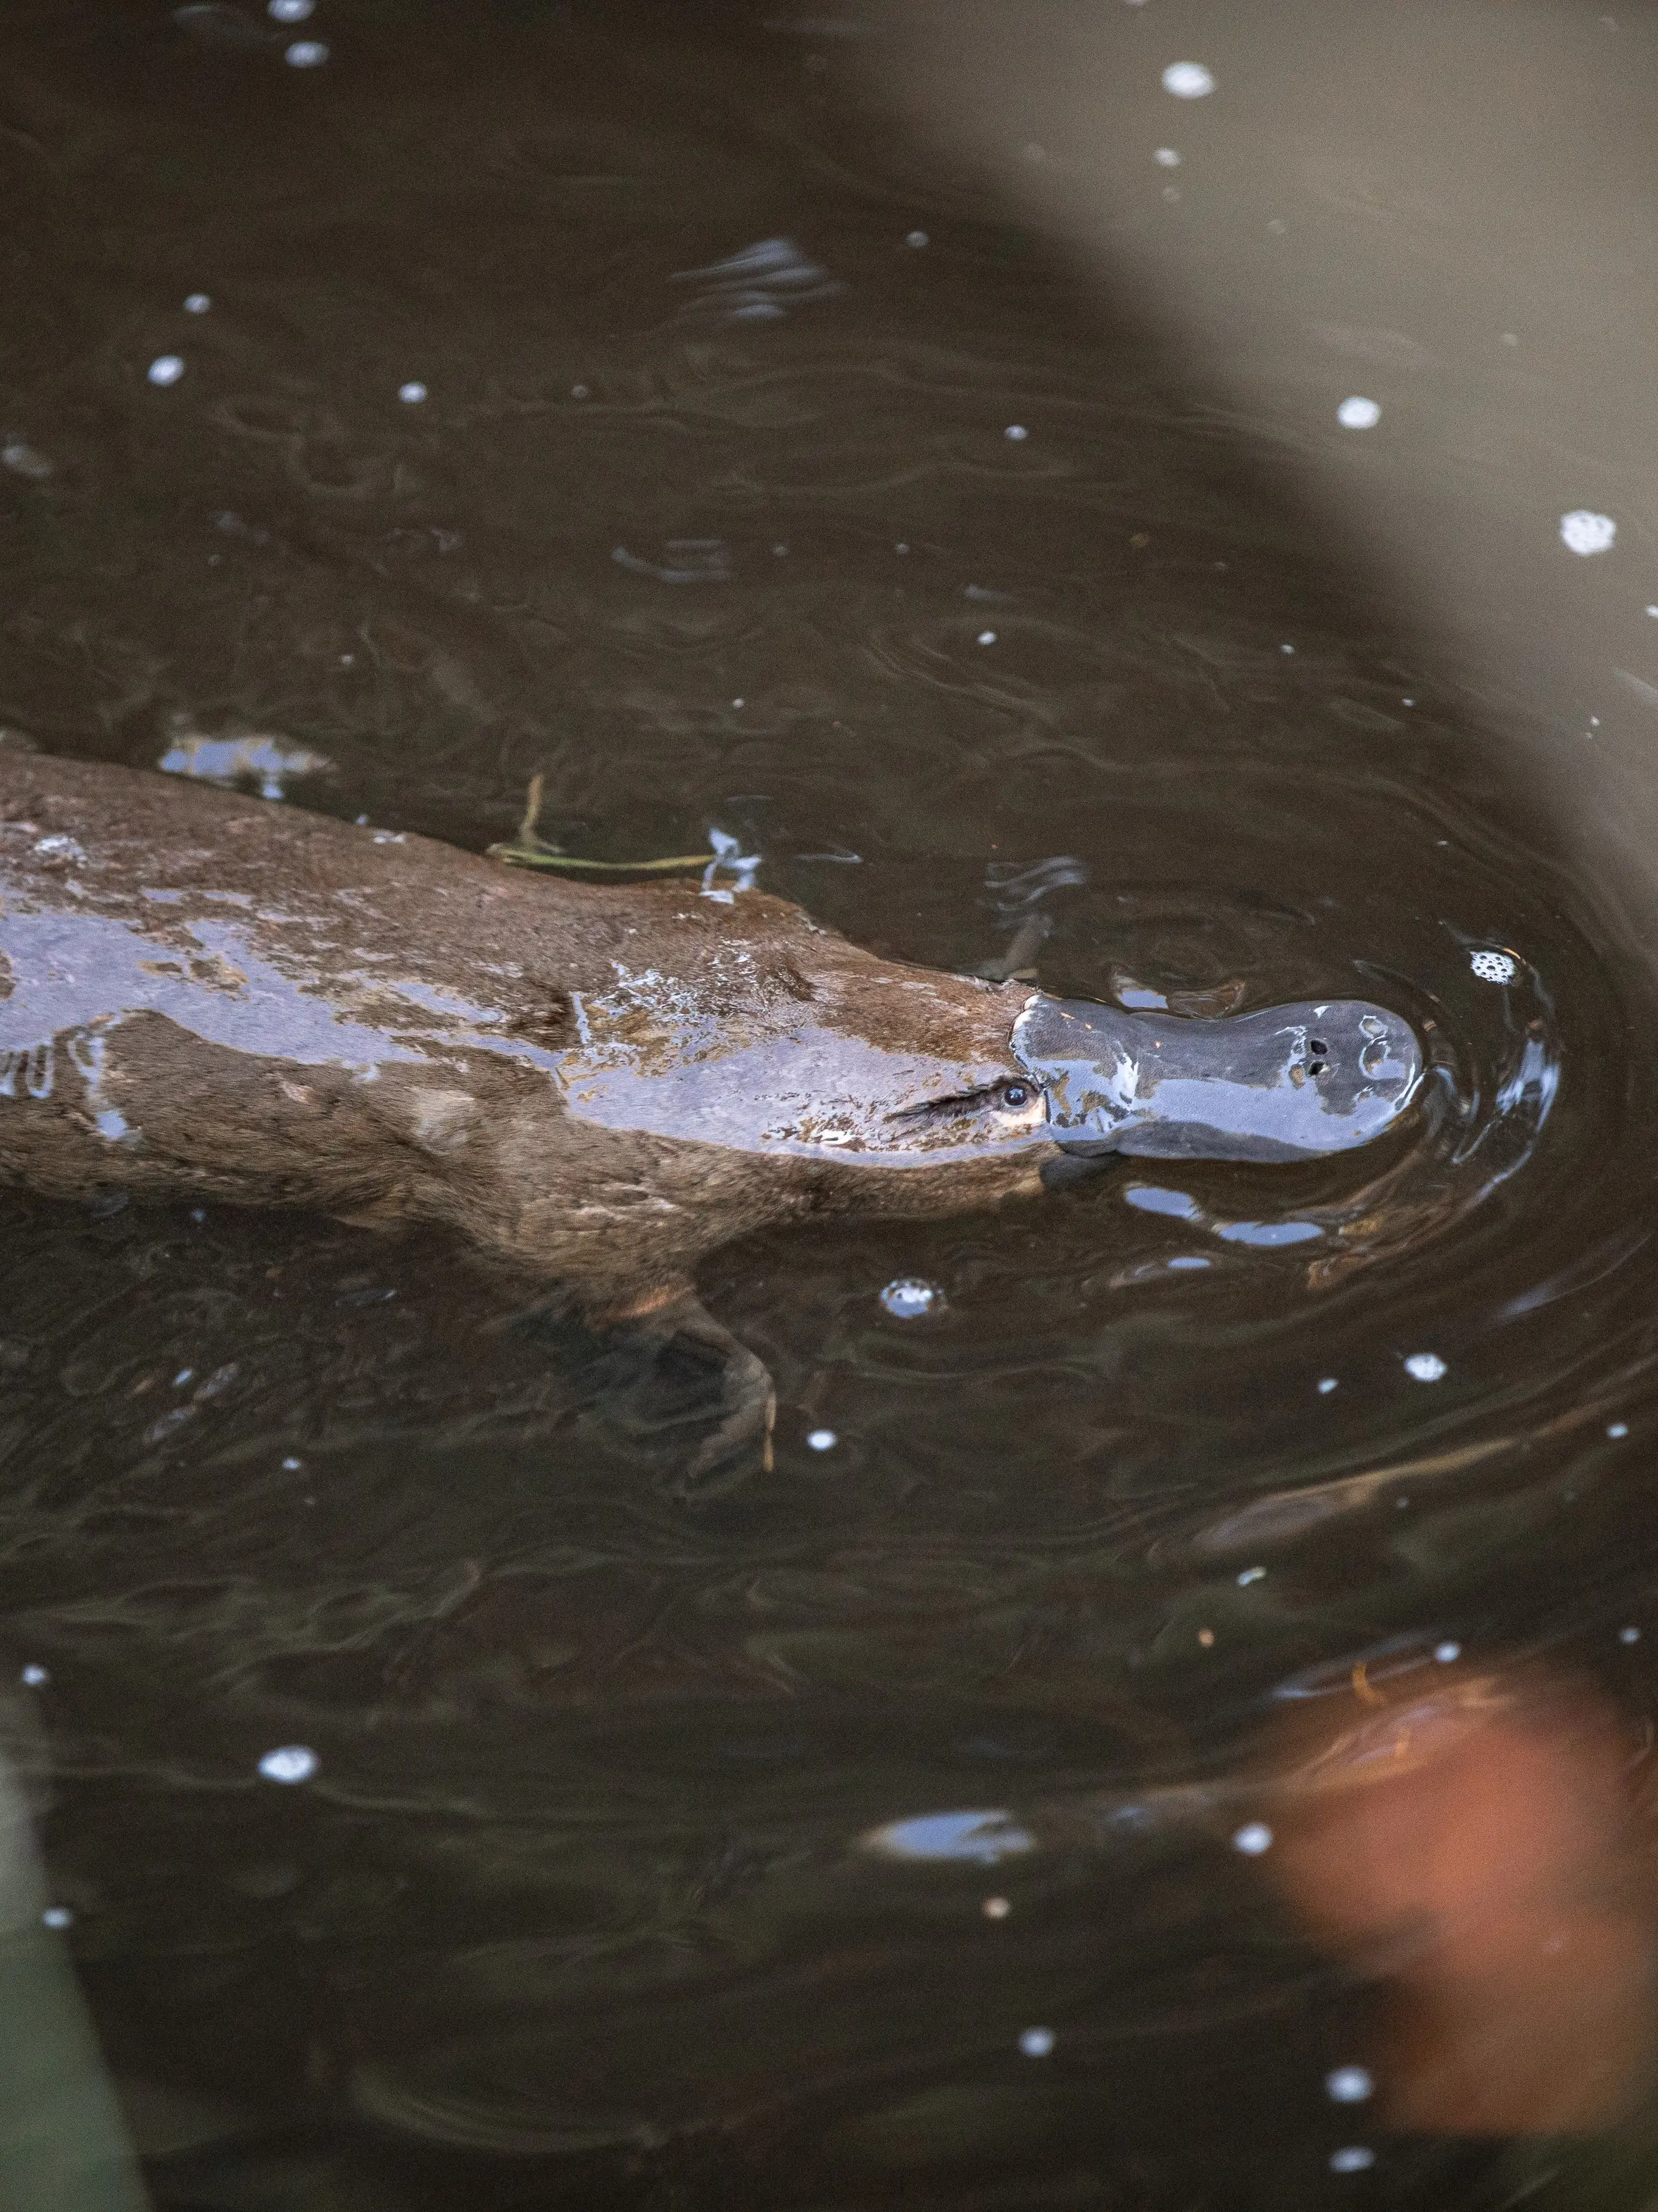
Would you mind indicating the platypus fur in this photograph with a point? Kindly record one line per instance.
(208, 996)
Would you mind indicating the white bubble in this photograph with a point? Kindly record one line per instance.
(1251, 1575)
(1253, 1838)
(996, 1908)
(1348, 2085)
(1617, 1428)
(1166, 158)
(1187, 81)
(1582, 531)
(197, 304)
(1447, 1652)
(1629, 1636)
(290, 1467)
(1357, 413)
(1426, 1366)
(1328, 1384)
(1354, 2159)
(411, 394)
(293, 1763)
(57, 1916)
(1016, 431)
(917, 237)
(25, 460)
(908, 1298)
(578, 391)
(1037, 2042)
(1652, 610)
(305, 53)
(986, 637)
(166, 369)
(1493, 967)
(822, 1440)
(289, 11)
(36, 1677)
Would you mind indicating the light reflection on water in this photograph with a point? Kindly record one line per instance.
(574, 1904)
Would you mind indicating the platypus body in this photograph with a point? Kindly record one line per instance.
(209, 996)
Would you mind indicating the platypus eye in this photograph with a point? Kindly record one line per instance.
(1015, 1094)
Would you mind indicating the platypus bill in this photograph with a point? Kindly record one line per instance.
(208, 996)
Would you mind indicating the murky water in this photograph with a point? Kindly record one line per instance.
(599, 394)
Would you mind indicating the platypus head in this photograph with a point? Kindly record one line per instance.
(1289, 1083)
(859, 1060)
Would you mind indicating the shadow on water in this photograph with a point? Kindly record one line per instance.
(593, 393)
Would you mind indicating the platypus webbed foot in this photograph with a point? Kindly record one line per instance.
(679, 1334)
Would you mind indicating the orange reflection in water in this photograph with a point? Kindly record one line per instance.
(1472, 1841)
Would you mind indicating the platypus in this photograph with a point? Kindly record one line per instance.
(208, 996)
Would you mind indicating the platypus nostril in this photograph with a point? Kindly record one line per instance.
(1317, 1047)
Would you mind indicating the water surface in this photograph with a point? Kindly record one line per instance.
(604, 393)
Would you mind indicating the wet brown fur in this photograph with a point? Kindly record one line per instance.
(469, 1139)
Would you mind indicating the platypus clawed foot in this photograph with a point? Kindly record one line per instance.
(680, 1339)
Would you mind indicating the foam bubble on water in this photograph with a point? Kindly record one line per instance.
(289, 11)
(35, 1678)
(1251, 1575)
(1425, 1367)
(1016, 431)
(25, 460)
(57, 1915)
(411, 394)
(1166, 158)
(986, 637)
(1037, 2042)
(1354, 2159)
(917, 237)
(1253, 1838)
(294, 1762)
(1582, 531)
(1617, 1428)
(996, 1908)
(305, 53)
(1348, 2085)
(822, 1440)
(197, 304)
(1188, 81)
(1493, 967)
(907, 1299)
(290, 1466)
(1448, 1652)
(1629, 1636)
(1328, 1384)
(1357, 413)
(166, 369)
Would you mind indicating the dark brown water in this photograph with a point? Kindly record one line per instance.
(710, 513)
